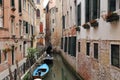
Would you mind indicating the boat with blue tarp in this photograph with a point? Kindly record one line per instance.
(40, 71)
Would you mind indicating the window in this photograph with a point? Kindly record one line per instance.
(78, 46)
(1, 14)
(5, 56)
(65, 48)
(94, 9)
(53, 20)
(56, 9)
(20, 7)
(12, 27)
(12, 3)
(38, 13)
(69, 46)
(61, 43)
(32, 30)
(0, 56)
(98, 8)
(47, 9)
(38, 1)
(96, 50)
(111, 5)
(1, 1)
(24, 4)
(63, 20)
(79, 14)
(26, 27)
(20, 47)
(88, 49)
(28, 8)
(87, 8)
(20, 28)
(115, 55)
(73, 46)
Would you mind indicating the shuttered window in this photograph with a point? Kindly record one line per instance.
(78, 46)
(87, 15)
(20, 6)
(63, 21)
(65, 48)
(115, 55)
(111, 5)
(79, 14)
(69, 46)
(73, 43)
(27, 27)
(95, 9)
(61, 43)
(88, 48)
(12, 3)
(92, 10)
(96, 50)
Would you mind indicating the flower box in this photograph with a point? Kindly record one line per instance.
(94, 23)
(77, 28)
(6, 50)
(86, 26)
(112, 17)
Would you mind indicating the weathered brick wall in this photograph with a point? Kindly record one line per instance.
(97, 69)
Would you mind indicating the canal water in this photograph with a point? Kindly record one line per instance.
(60, 71)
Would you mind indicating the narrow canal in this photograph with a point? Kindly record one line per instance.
(59, 70)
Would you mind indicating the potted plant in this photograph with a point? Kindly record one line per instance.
(94, 23)
(4, 50)
(8, 49)
(77, 28)
(86, 26)
(112, 17)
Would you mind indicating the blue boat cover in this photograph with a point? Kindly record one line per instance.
(41, 70)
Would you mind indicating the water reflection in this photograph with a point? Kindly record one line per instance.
(59, 71)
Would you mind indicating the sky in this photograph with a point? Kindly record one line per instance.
(45, 3)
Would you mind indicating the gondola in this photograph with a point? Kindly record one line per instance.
(48, 59)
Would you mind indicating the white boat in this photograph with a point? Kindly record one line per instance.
(37, 79)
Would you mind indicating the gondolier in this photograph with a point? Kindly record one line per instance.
(49, 49)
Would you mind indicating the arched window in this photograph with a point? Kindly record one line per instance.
(38, 13)
(38, 1)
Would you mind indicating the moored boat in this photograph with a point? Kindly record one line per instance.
(48, 59)
(40, 71)
(37, 79)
